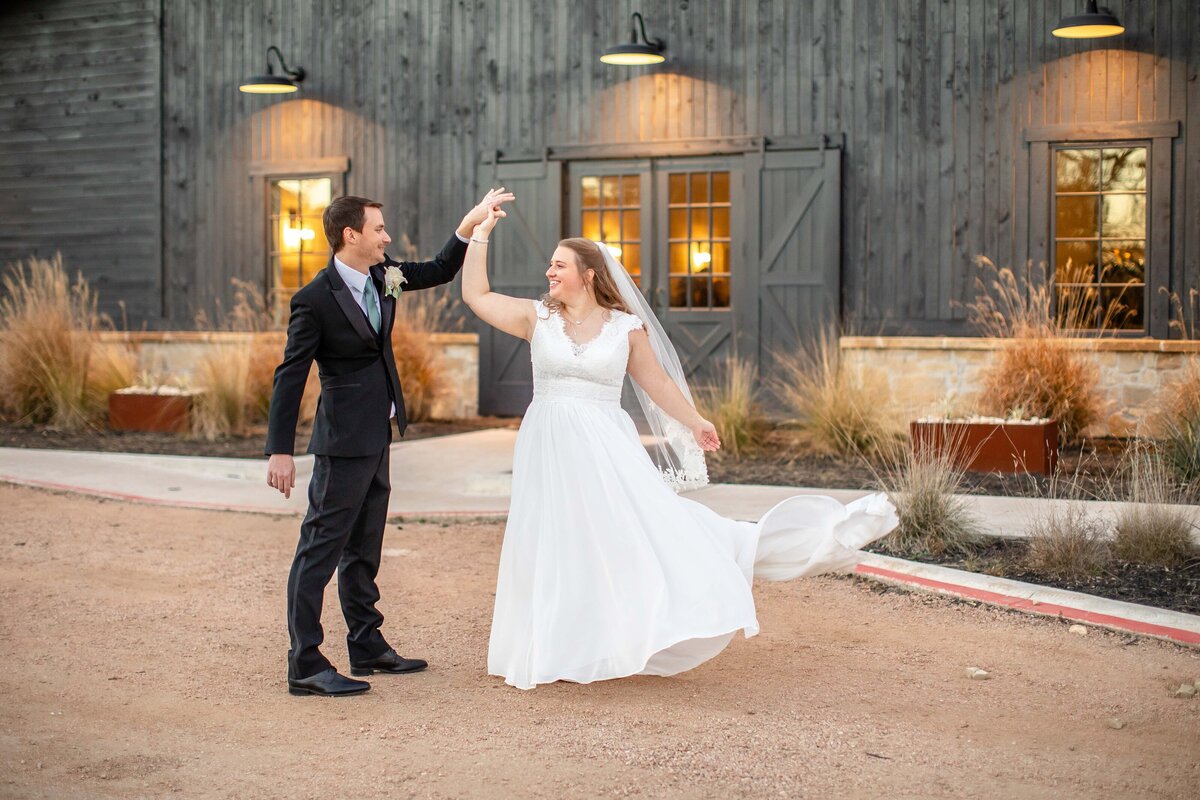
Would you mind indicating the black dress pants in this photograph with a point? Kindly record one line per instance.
(343, 530)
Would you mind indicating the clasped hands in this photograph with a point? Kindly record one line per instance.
(490, 204)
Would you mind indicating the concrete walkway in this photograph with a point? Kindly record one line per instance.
(466, 474)
(470, 474)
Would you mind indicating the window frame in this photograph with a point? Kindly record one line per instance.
(262, 174)
(1157, 137)
(1052, 263)
(654, 213)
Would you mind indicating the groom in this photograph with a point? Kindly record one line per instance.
(343, 319)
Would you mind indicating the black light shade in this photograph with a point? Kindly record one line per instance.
(636, 53)
(1094, 23)
(272, 83)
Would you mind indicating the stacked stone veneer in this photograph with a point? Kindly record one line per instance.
(940, 375)
(176, 354)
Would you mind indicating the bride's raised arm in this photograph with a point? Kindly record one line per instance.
(513, 315)
(649, 374)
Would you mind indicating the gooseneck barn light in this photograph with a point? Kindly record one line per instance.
(1094, 23)
(636, 53)
(272, 83)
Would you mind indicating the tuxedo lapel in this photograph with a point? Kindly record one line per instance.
(352, 310)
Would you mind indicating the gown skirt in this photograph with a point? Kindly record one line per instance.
(606, 572)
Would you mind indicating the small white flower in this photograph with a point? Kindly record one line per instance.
(392, 278)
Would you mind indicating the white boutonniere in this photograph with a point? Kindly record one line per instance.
(392, 278)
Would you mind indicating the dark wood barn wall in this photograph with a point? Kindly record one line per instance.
(932, 98)
(80, 144)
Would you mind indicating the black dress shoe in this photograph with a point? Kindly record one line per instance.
(388, 662)
(328, 683)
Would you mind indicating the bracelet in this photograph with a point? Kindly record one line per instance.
(481, 241)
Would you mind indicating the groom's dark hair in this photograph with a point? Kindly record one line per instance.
(345, 212)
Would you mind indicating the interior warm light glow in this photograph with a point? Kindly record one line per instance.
(700, 261)
(614, 249)
(1088, 31)
(633, 59)
(292, 237)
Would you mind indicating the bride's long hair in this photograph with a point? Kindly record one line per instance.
(588, 256)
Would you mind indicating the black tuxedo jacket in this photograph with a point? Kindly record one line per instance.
(356, 365)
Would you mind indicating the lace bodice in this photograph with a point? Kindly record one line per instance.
(594, 370)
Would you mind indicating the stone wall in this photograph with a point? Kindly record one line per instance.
(938, 375)
(164, 354)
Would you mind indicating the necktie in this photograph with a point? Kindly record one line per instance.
(372, 299)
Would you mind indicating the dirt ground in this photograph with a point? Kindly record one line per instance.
(144, 657)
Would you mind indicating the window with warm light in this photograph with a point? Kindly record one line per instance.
(1100, 237)
(298, 247)
(610, 206)
(698, 234)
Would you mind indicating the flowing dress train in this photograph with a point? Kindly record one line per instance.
(605, 571)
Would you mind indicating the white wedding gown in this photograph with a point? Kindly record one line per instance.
(606, 572)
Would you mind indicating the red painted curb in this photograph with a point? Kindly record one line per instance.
(1023, 604)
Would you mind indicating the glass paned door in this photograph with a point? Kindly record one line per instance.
(700, 280)
(298, 247)
(673, 223)
(611, 202)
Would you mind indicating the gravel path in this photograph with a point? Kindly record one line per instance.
(145, 657)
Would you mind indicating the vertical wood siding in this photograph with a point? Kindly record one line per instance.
(930, 97)
(80, 145)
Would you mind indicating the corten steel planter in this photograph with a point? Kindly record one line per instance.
(992, 446)
(149, 412)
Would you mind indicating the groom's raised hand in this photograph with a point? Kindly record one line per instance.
(281, 473)
(493, 199)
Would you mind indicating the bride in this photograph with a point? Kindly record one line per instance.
(605, 571)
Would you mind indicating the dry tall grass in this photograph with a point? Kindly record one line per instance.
(237, 377)
(1176, 424)
(225, 405)
(730, 402)
(1155, 528)
(1039, 370)
(53, 369)
(1068, 541)
(1176, 419)
(924, 485)
(423, 374)
(842, 410)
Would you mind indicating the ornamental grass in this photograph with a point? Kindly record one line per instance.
(925, 485)
(1066, 540)
(236, 375)
(1156, 527)
(838, 409)
(54, 370)
(1043, 367)
(423, 373)
(730, 401)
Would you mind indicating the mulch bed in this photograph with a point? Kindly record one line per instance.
(1177, 589)
(1090, 470)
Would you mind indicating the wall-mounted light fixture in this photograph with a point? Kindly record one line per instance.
(636, 53)
(1094, 23)
(272, 83)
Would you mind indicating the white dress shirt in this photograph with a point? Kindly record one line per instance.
(357, 282)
